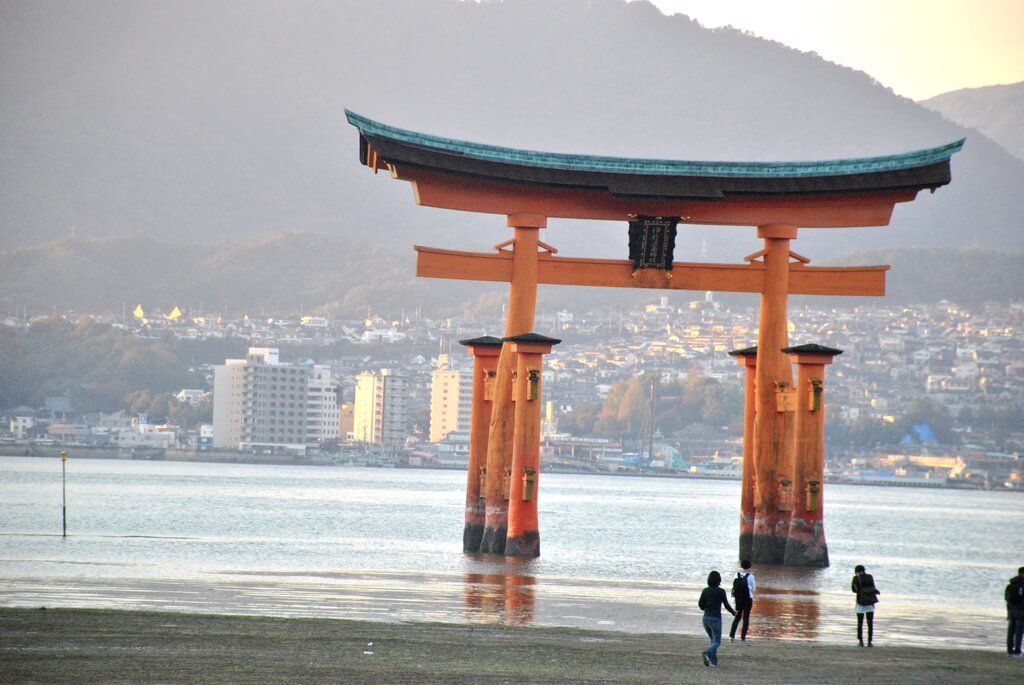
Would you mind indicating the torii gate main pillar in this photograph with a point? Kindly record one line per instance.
(773, 423)
(522, 305)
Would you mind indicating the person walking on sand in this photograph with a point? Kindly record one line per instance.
(743, 586)
(1014, 596)
(711, 601)
(863, 586)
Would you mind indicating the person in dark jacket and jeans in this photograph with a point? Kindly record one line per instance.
(863, 586)
(711, 601)
(1014, 596)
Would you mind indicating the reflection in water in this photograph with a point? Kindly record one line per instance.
(788, 603)
(786, 615)
(507, 598)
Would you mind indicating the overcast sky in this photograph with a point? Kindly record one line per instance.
(919, 48)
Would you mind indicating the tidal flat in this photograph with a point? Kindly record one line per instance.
(103, 646)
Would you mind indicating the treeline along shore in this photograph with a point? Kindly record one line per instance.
(100, 646)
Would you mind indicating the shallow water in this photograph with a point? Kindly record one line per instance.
(618, 553)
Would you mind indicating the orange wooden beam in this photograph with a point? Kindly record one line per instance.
(618, 273)
(466, 193)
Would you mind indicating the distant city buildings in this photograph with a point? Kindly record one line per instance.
(143, 435)
(260, 402)
(969, 362)
(21, 425)
(380, 416)
(190, 396)
(323, 419)
(451, 400)
(346, 425)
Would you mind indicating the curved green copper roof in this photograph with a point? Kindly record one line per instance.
(659, 167)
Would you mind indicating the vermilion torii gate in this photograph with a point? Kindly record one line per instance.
(781, 516)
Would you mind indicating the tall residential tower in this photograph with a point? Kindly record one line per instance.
(260, 402)
(381, 415)
(451, 399)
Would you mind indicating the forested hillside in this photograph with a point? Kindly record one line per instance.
(310, 272)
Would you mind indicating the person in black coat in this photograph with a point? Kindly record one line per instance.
(1014, 596)
(712, 599)
(863, 586)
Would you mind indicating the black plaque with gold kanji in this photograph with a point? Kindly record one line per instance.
(652, 241)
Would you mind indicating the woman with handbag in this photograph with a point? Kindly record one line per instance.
(863, 586)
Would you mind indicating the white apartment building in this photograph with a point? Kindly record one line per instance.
(191, 396)
(323, 420)
(20, 425)
(451, 399)
(142, 434)
(260, 402)
(380, 415)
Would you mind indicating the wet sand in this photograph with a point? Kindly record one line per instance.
(507, 598)
(100, 646)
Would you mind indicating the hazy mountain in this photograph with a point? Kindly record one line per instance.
(996, 111)
(310, 272)
(285, 273)
(204, 122)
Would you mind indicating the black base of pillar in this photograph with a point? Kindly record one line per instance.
(493, 541)
(525, 545)
(746, 545)
(768, 549)
(807, 556)
(472, 535)
(746, 534)
(806, 544)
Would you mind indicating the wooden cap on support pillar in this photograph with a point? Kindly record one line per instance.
(532, 343)
(484, 341)
(812, 353)
(746, 356)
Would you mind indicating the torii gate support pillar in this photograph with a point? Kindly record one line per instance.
(523, 527)
(805, 545)
(747, 358)
(485, 352)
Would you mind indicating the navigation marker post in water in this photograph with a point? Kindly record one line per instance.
(64, 492)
